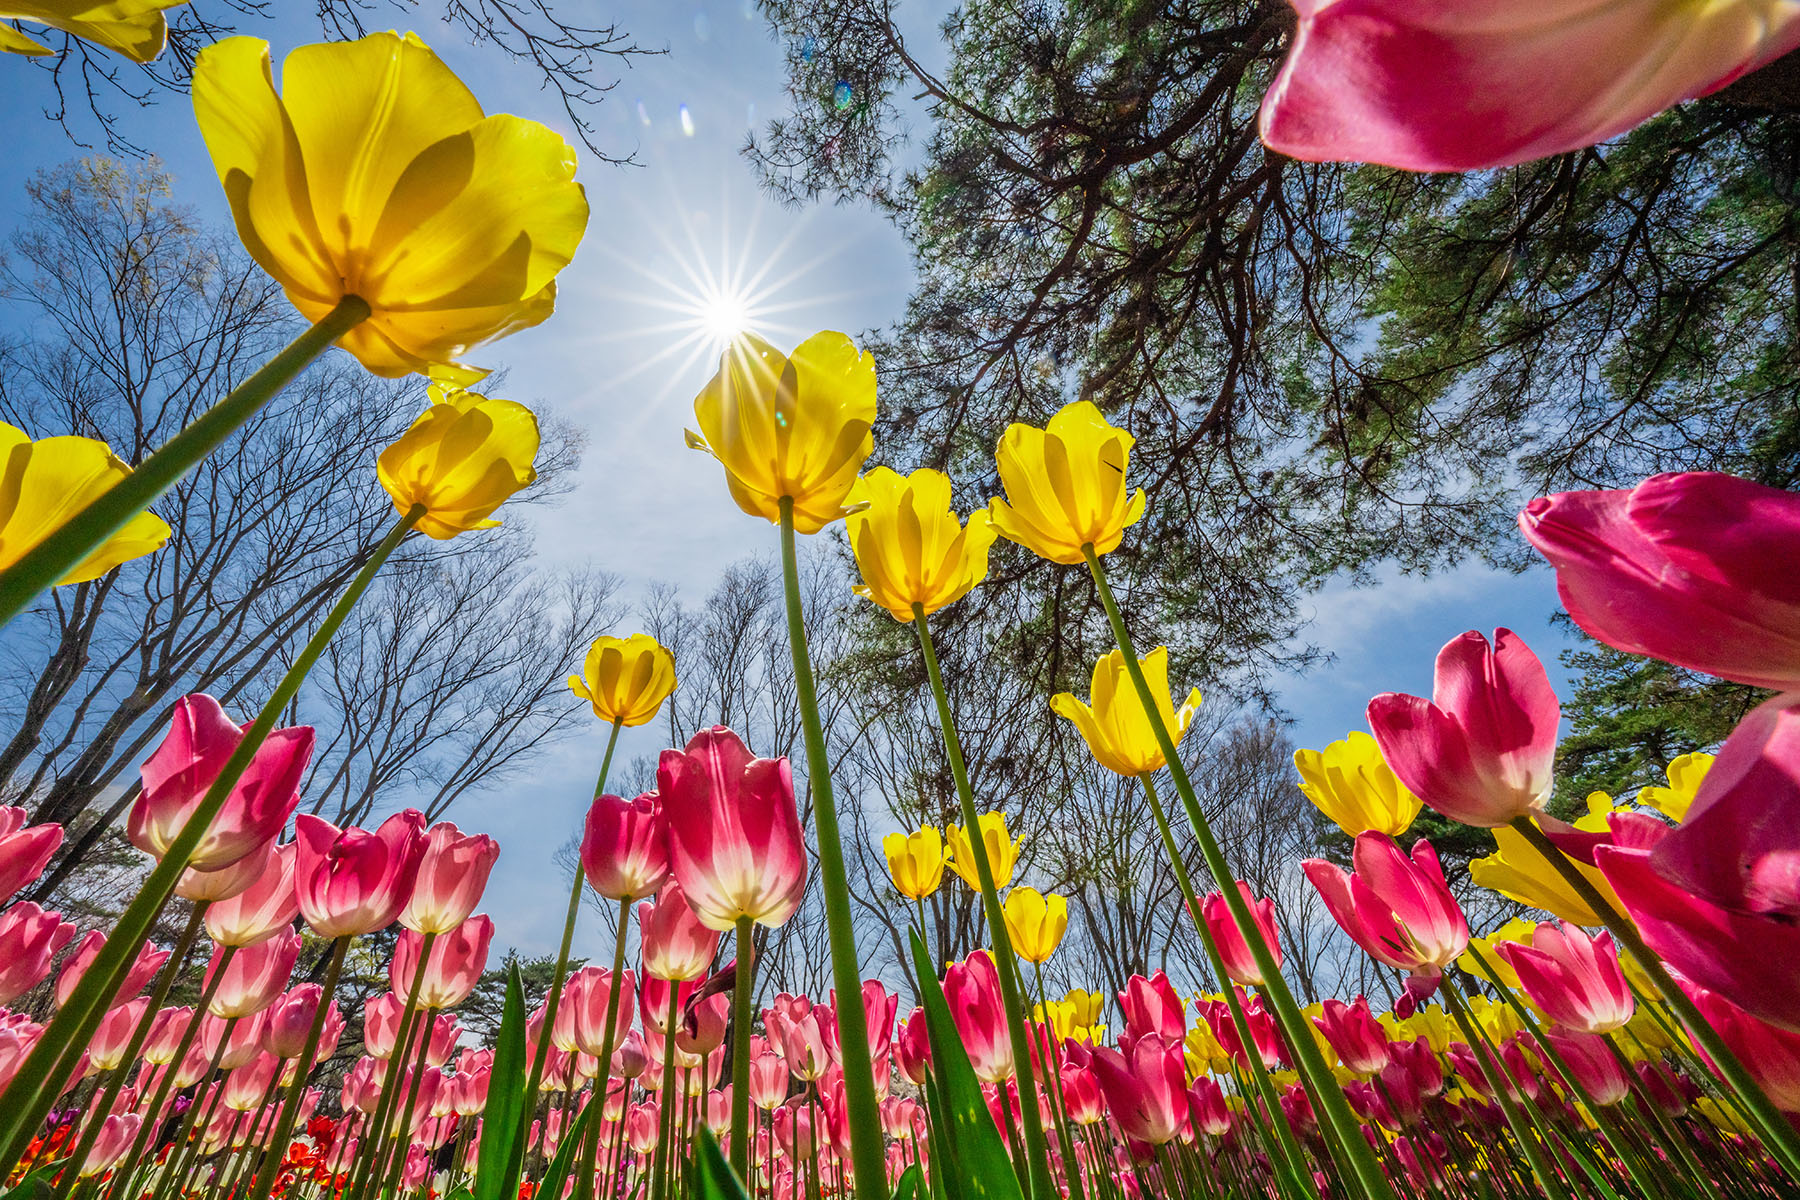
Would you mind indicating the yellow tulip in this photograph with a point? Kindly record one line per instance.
(626, 679)
(1113, 722)
(133, 28)
(375, 174)
(1089, 1006)
(1035, 922)
(1430, 1023)
(1685, 776)
(792, 425)
(1002, 850)
(1058, 1016)
(1723, 1117)
(461, 459)
(1519, 872)
(916, 860)
(46, 482)
(909, 545)
(1351, 783)
(1065, 485)
(1204, 1052)
(1500, 971)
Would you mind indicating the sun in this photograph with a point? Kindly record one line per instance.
(723, 315)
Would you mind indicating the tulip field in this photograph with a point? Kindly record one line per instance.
(1640, 1040)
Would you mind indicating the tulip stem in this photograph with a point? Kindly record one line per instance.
(75, 1021)
(1500, 1083)
(1037, 1149)
(1327, 1097)
(276, 1151)
(370, 1157)
(740, 1051)
(590, 1150)
(402, 1136)
(665, 1141)
(1781, 1137)
(868, 1154)
(58, 554)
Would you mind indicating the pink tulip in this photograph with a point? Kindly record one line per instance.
(166, 1030)
(291, 1019)
(735, 844)
(1481, 750)
(226, 882)
(417, 1169)
(1146, 1088)
(177, 775)
(654, 998)
(362, 1086)
(117, 1132)
(1739, 845)
(143, 969)
(972, 988)
(1081, 1095)
(469, 1091)
(1751, 960)
(880, 1007)
(1262, 1028)
(794, 1132)
(454, 968)
(1152, 1007)
(642, 1124)
(1699, 569)
(1771, 1054)
(1207, 1111)
(265, 908)
(453, 873)
(625, 846)
(1353, 1032)
(1462, 85)
(113, 1035)
(631, 1059)
(675, 943)
(912, 1048)
(803, 1033)
(1398, 909)
(1594, 1065)
(444, 1032)
(581, 1017)
(25, 850)
(241, 1038)
(246, 1086)
(254, 977)
(768, 1080)
(1240, 963)
(381, 1024)
(350, 881)
(1576, 980)
(29, 940)
(1420, 1062)
(702, 1028)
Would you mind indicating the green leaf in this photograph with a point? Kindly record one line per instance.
(980, 1168)
(502, 1137)
(908, 1186)
(558, 1170)
(37, 1185)
(716, 1179)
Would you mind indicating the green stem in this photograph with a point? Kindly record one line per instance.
(665, 1142)
(1780, 1136)
(590, 1150)
(868, 1155)
(1037, 1149)
(740, 1052)
(88, 1003)
(276, 1153)
(58, 554)
(402, 1136)
(1501, 1084)
(368, 1165)
(1328, 1098)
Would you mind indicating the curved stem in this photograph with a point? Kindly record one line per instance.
(1037, 1149)
(276, 1153)
(868, 1156)
(1781, 1138)
(54, 557)
(1327, 1097)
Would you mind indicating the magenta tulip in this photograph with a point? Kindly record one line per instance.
(675, 943)
(1398, 909)
(1481, 750)
(1751, 960)
(803, 1033)
(972, 989)
(226, 882)
(143, 968)
(177, 775)
(1240, 963)
(1576, 980)
(25, 850)
(1152, 1007)
(1460, 85)
(1207, 1111)
(1360, 1042)
(453, 873)
(1595, 1067)
(735, 844)
(1770, 1053)
(350, 881)
(912, 1048)
(1700, 569)
(1739, 844)
(291, 1019)
(625, 846)
(1146, 1088)
(29, 939)
(262, 910)
(454, 968)
(581, 1018)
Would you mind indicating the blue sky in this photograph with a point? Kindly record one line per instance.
(621, 360)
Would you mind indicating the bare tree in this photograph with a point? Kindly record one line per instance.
(574, 58)
(133, 318)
